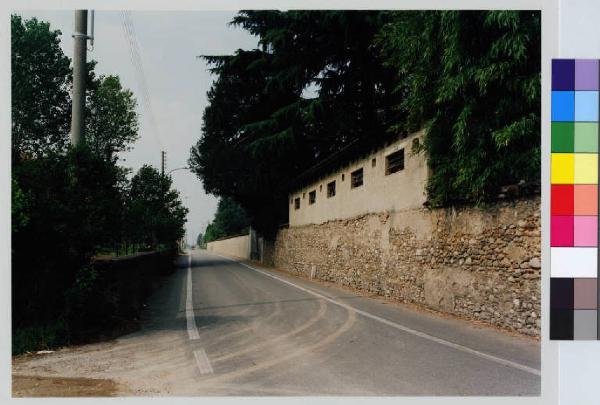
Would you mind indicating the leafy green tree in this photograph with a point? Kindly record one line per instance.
(230, 219)
(112, 122)
(211, 233)
(155, 214)
(41, 78)
(472, 80)
(41, 104)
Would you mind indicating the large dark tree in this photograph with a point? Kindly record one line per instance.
(72, 205)
(262, 128)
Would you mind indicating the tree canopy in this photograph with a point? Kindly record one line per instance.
(319, 81)
(230, 220)
(112, 122)
(41, 77)
(155, 212)
(472, 80)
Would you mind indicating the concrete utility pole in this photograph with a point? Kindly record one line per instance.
(163, 159)
(79, 77)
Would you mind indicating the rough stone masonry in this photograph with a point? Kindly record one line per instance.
(478, 263)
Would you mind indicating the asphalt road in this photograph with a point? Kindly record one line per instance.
(219, 327)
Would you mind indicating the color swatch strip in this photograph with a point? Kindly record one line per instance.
(574, 288)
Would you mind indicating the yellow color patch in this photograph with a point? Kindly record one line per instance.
(586, 168)
(563, 168)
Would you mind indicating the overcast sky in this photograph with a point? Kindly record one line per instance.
(177, 83)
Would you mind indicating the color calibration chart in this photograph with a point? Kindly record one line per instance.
(574, 288)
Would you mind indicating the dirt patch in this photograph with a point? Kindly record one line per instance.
(34, 386)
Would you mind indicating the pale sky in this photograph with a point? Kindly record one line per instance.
(176, 80)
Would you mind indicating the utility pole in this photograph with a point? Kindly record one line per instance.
(163, 162)
(79, 77)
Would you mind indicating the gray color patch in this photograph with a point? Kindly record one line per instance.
(585, 326)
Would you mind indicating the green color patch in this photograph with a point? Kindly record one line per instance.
(563, 137)
(586, 137)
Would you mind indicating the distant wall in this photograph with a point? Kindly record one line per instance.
(238, 246)
(398, 191)
(478, 263)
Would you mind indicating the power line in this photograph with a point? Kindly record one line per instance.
(136, 61)
(138, 66)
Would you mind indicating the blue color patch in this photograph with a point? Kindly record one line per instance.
(586, 106)
(563, 105)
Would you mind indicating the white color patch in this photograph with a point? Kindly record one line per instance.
(573, 262)
(202, 362)
(189, 306)
(403, 328)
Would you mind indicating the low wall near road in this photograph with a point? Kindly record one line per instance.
(123, 283)
(477, 263)
(237, 246)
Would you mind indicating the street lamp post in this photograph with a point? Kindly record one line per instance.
(179, 168)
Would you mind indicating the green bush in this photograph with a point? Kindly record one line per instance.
(40, 336)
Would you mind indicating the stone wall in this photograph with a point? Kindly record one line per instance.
(477, 263)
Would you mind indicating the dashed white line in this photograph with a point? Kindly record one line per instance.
(403, 328)
(202, 361)
(189, 305)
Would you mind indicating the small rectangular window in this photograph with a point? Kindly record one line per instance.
(394, 162)
(356, 178)
(297, 203)
(373, 162)
(312, 197)
(330, 189)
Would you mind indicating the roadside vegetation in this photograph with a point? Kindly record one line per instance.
(230, 220)
(70, 204)
(322, 81)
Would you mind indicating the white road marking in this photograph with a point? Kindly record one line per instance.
(189, 306)
(395, 325)
(203, 362)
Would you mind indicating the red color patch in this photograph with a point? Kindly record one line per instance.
(562, 197)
